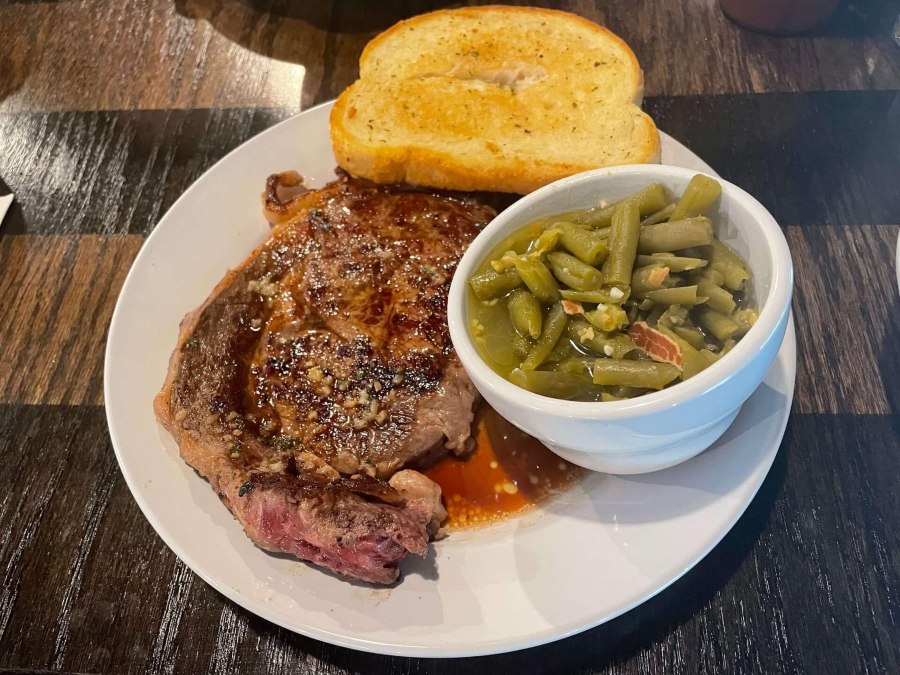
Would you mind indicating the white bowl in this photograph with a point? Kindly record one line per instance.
(664, 428)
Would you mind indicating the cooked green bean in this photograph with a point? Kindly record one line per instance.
(554, 224)
(721, 326)
(744, 318)
(525, 313)
(723, 259)
(597, 296)
(587, 245)
(628, 392)
(719, 299)
(663, 214)
(574, 273)
(623, 244)
(521, 346)
(556, 384)
(546, 242)
(710, 357)
(554, 326)
(575, 365)
(708, 274)
(675, 235)
(490, 284)
(675, 263)
(607, 318)
(680, 295)
(674, 315)
(698, 196)
(692, 360)
(650, 199)
(644, 374)
(615, 346)
(691, 335)
(649, 278)
(538, 278)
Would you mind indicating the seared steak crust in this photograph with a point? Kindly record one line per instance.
(322, 366)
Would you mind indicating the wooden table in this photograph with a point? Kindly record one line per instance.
(109, 110)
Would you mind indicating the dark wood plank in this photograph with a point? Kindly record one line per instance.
(806, 581)
(176, 59)
(811, 159)
(846, 314)
(231, 53)
(112, 172)
(57, 295)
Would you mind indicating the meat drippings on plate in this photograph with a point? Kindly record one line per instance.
(322, 366)
(507, 473)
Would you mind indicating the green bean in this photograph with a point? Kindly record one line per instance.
(491, 284)
(675, 263)
(718, 298)
(723, 259)
(575, 366)
(655, 314)
(708, 274)
(710, 357)
(554, 326)
(680, 295)
(744, 318)
(558, 223)
(692, 361)
(727, 347)
(521, 346)
(721, 326)
(525, 313)
(574, 273)
(698, 196)
(675, 315)
(629, 392)
(598, 296)
(606, 397)
(614, 346)
(538, 278)
(644, 374)
(555, 384)
(623, 243)
(691, 335)
(675, 235)
(649, 278)
(563, 351)
(587, 245)
(650, 199)
(660, 216)
(607, 317)
(546, 242)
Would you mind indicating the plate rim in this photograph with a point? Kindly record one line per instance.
(533, 639)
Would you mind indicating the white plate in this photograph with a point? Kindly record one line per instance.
(595, 552)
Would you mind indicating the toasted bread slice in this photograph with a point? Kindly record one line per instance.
(494, 98)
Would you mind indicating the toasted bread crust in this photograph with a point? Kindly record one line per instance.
(436, 165)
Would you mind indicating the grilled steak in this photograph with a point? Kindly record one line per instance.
(322, 366)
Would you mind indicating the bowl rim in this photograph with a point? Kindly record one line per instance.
(775, 307)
